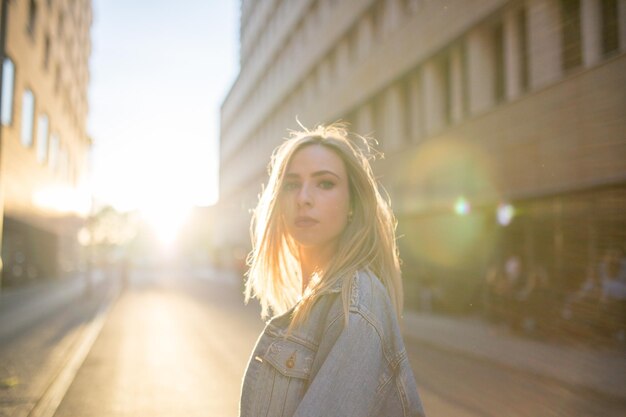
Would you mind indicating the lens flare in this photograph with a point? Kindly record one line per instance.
(505, 214)
(462, 206)
(437, 184)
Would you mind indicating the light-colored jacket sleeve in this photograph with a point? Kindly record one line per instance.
(347, 383)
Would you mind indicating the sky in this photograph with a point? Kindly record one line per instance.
(159, 73)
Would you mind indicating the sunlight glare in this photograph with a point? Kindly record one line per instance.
(166, 219)
(63, 199)
(462, 206)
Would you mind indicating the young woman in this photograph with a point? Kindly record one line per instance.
(324, 259)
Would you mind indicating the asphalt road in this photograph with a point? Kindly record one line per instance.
(170, 347)
(178, 347)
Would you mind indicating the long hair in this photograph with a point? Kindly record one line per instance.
(368, 240)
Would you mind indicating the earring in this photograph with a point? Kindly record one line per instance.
(350, 214)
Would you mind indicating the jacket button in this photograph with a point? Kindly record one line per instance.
(290, 363)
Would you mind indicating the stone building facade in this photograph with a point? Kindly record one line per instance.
(44, 143)
(503, 123)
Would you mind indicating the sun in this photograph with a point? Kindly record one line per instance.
(162, 186)
(166, 219)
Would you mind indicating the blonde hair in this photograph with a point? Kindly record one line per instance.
(368, 241)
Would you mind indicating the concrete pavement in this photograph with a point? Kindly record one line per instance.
(45, 331)
(21, 307)
(597, 369)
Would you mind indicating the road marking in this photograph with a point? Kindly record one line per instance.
(51, 399)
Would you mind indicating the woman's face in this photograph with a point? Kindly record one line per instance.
(315, 197)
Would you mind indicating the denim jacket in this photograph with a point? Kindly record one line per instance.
(325, 368)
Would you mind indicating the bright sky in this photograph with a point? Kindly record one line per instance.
(159, 72)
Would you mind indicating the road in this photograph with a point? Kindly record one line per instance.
(178, 347)
(170, 347)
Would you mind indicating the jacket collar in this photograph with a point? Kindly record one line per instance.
(336, 287)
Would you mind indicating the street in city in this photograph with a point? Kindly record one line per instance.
(484, 140)
(176, 343)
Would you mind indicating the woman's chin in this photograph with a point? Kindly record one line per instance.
(307, 243)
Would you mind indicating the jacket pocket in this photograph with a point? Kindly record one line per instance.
(290, 358)
(288, 369)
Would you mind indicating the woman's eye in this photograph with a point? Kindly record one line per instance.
(288, 186)
(326, 185)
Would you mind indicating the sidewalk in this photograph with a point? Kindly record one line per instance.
(598, 370)
(46, 329)
(21, 307)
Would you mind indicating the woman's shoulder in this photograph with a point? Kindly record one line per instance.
(367, 296)
(367, 290)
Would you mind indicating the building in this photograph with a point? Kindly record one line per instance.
(44, 147)
(503, 123)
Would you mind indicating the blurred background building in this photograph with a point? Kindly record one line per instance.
(502, 122)
(44, 146)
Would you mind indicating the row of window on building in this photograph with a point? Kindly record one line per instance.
(338, 59)
(381, 18)
(448, 72)
(572, 56)
(440, 91)
(74, 51)
(465, 79)
(48, 147)
(80, 15)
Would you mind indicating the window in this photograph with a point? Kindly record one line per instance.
(60, 25)
(610, 31)
(498, 45)
(32, 16)
(570, 17)
(57, 78)
(377, 12)
(53, 156)
(42, 137)
(445, 66)
(465, 88)
(46, 52)
(28, 114)
(8, 78)
(523, 36)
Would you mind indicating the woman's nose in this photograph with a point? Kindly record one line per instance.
(304, 196)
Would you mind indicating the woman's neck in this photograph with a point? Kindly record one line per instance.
(314, 260)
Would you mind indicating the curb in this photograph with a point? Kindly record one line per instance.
(52, 397)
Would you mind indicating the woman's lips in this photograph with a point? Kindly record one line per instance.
(305, 222)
